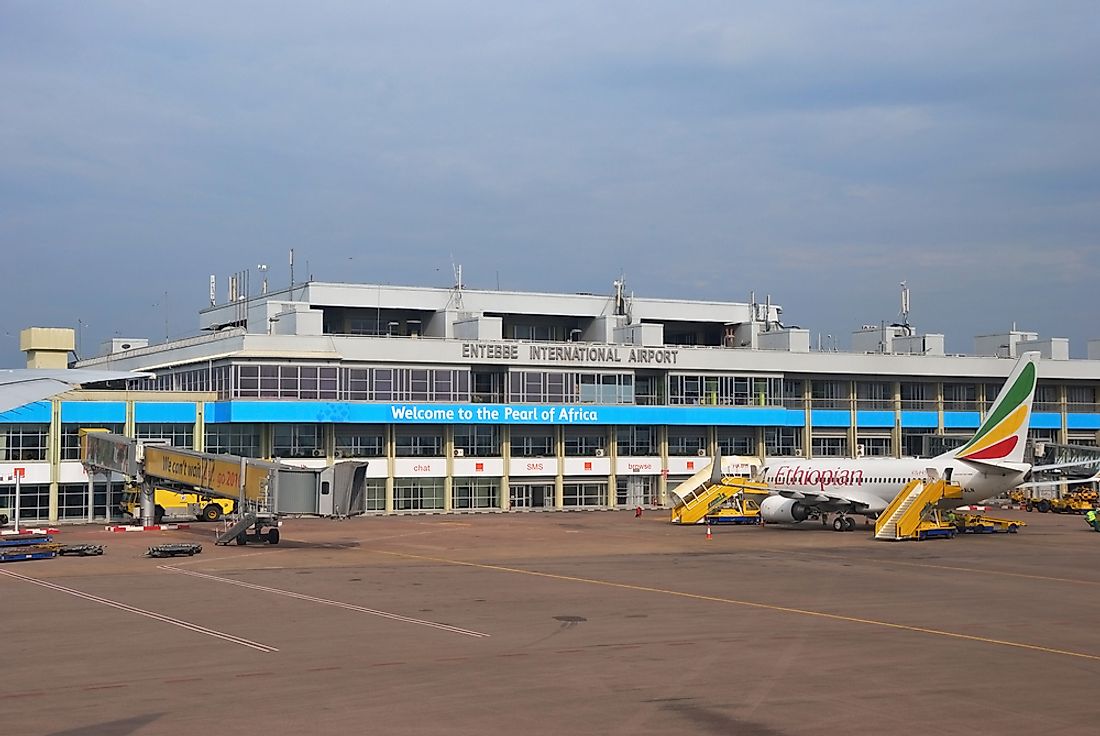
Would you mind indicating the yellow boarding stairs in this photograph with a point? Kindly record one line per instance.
(723, 502)
(913, 513)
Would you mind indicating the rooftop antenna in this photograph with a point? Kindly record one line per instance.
(292, 269)
(620, 299)
(456, 290)
(905, 308)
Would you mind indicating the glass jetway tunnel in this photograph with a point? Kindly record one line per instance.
(263, 490)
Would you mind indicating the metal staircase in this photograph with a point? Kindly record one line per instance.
(912, 512)
(710, 498)
(252, 513)
(238, 528)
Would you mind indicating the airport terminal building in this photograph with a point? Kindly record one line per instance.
(477, 400)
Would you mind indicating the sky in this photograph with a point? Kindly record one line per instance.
(816, 152)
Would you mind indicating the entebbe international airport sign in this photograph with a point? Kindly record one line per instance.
(573, 353)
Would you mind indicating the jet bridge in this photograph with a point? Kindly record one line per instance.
(263, 490)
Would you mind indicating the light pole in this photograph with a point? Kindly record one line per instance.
(262, 267)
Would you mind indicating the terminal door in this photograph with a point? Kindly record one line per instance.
(531, 495)
(636, 490)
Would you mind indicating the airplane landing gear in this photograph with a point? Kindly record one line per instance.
(843, 523)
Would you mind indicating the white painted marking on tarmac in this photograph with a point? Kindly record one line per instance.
(142, 612)
(327, 602)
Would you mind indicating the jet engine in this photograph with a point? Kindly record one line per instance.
(776, 509)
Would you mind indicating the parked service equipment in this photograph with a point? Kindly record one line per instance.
(170, 502)
(181, 549)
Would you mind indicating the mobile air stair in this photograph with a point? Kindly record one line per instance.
(729, 501)
(914, 513)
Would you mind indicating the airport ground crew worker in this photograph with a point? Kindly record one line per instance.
(1090, 518)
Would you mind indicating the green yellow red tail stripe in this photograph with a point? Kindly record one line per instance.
(1002, 434)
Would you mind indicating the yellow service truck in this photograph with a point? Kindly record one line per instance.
(177, 503)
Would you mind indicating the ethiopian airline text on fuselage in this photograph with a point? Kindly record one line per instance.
(798, 475)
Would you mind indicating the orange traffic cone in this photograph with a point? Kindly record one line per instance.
(709, 535)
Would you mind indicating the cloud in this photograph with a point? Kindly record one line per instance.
(708, 150)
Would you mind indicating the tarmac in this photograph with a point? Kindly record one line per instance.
(556, 623)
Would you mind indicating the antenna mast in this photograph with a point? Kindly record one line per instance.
(905, 308)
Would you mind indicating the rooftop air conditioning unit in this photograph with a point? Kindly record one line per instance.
(318, 453)
(459, 452)
(701, 452)
(338, 454)
(861, 450)
(599, 452)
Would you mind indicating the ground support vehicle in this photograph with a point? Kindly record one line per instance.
(1073, 502)
(250, 527)
(182, 549)
(27, 547)
(171, 502)
(736, 510)
(915, 514)
(81, 550)
(935, 526)
(981, 524)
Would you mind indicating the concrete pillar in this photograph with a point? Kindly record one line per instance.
(662, 449)
(559, 479)
(388, 445)
(449, 454)
(506, 455)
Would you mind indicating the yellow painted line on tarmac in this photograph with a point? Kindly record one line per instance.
(754, 604)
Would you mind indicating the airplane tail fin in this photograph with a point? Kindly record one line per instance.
(1002, 435)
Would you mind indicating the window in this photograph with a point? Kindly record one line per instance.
(70, 438)
(584, 493)
(374, 490)
(792, 393)
(782, 441)
(636, 490)
(176, 434)
(559, 387)
(233, 439)
(585, 441)
(736, 441)
(1081, 399)
(724, 390)
(875, 446)
(918, 396)
(23, 441)
(359, 440)
(297, 440)
(417, 494)
(913, 440)
(683, 441)
(34, 500)
(829, 445)
(1047, 398)
(829, 394)
(634, 440)
(475, 493)
(874, 395)
(418, 441)
(477, 440)
(960, 397)
(533, 442)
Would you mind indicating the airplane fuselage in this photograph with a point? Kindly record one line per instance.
(873, 483)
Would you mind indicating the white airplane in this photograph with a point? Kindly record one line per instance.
(991, 462)
(22, 386)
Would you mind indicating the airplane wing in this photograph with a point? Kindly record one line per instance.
(26, 385)
(830, 501)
